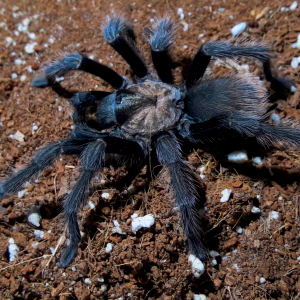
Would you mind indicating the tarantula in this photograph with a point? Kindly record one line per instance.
(154, 114)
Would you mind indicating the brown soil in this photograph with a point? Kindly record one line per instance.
(153, 264)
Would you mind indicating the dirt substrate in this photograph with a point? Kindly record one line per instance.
(258, 251)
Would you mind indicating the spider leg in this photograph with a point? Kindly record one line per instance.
(78, 62)
(226, 50)
(92, 161)
(282, 86)
(43, 160)
(187, 197)
(281, 136)
(119, 34)
(84, 100)
(160, 40)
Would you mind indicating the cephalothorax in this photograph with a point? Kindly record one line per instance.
(154, 114)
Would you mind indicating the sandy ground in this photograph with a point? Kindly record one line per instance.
(257, 251)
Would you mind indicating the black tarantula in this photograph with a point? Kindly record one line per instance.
(153, 114)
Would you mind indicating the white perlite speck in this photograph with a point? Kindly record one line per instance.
(105, 195)
(238, 157)
(29, 47)
(23, 77)
(35, 245)
(13, 250)
(214, 253)
(92, 205)
(117, 228)
(39, 234)
(199, 297)
(59, 79)
(294, 5)
(34, 219)
(238, 29)
(22, 193)
(108, 248)
(226, 195)
(142, 222)
(255, 210)
(19, 136)
(87, 281)
(239, 229)
(297, 44)
(262, 280)
(197, 266)
(273, 215)
(258, 161)
(275, 118)
(295, 62)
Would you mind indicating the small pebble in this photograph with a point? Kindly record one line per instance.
(109, 247)
(87, 281)
(238, 29)
(29, 47)
(39, 234)
(22, 193)
(51, 40)
(275, 118)
(274, 215)
(19, 136)
(117, 228)
(294, 5)
(13, 250)
(238, 157)
(255, 210)
(214, 253)
(214, 262)
(23, 78)
(14, 76)
(200, 297)
(92, 205)
(258, 161)
(35, 245)
(34, 219)
(295, 62)
(185, 46)
(142, 222)
(239, 229)
(226, 195)
(197, 266)
(262, 280)
(105, 195)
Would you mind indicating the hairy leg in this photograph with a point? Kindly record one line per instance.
(119, 34)
(221, 50)
(43, 160)
(78, 62)
(92, 160)
(160, 40)
(186, 194)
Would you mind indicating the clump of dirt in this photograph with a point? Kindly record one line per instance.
(255, 232)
